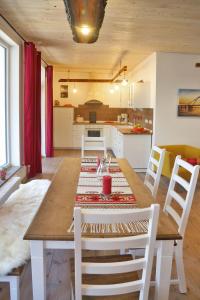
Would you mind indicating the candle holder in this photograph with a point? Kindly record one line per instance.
(3, 173)
(103, 168)
(105, 197)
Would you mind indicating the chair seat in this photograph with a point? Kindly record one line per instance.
(107, 278)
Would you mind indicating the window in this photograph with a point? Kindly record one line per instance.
(4, 157)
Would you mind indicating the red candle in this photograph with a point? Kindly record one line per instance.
(107, 184)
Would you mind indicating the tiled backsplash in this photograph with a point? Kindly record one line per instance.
(144, 116)
(105, 113)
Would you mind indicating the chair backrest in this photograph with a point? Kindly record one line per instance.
(145, 240)
(154, 169)
(185, 203)
(93, 144)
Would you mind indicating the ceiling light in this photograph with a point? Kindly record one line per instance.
(124, 82)
(85, 18)
(85, 29)
(111, 90)
(74, 90)
(116, 87)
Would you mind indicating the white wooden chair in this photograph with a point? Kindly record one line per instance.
(154, 169)
(93, 144)
(181, 218)
(120, 267)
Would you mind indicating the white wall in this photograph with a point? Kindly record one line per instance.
(88, 91)
(166, 73)
(175, 71)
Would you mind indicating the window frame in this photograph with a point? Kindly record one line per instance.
(7, 103)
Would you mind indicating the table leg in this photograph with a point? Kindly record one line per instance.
(163, 269)
(38, 266)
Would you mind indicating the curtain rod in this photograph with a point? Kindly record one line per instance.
(13, 28)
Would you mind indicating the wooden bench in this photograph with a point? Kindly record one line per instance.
(13, 277)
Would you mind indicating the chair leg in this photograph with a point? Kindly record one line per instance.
(180, 266)
(14, 288)
(72, 291)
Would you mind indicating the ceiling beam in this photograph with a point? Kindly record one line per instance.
(85, 80)
(123, 69)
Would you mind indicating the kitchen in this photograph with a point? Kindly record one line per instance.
(118, 125)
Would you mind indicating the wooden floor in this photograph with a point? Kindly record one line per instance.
(57, 260)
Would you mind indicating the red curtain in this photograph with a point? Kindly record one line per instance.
(32, 109)
(49, 111)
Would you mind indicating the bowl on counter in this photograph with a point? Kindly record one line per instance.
(79, 119)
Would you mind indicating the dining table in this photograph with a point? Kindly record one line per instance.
(49, 228)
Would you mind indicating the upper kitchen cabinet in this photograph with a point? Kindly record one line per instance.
(140, 95)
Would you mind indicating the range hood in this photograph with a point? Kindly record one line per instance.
(93, 102)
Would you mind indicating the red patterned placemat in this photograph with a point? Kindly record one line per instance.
(90, 169)
(100, 199)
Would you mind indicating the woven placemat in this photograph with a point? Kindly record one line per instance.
(137, 227)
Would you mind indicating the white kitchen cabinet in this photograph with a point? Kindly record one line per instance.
(137, 150)
(62, 127)
(117, 141)
(141, 94)
(77, 132)
(134, 147)
(107, 135)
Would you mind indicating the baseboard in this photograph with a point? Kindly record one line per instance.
(140, 170)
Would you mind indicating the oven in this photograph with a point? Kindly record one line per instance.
(93, 131)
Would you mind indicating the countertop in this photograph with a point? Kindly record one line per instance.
(130, 132)
(124, 128)
(114, 123)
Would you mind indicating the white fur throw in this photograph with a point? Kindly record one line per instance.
(16, 215)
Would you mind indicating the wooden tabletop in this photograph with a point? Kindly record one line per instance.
(55, 214)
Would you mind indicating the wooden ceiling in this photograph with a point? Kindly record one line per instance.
(132, 30)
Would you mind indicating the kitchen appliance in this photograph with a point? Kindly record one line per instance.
(92, 116)
(79, 119)
(93, 131)
(124, 118)
(119, 118)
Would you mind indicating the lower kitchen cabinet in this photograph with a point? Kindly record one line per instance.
(77, 132)
(62, 127)
(135, 148)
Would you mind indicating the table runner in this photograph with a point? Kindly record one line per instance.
(89, 190)
(89, 195)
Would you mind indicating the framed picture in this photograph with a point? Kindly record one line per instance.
(189, 102)
(63, 91)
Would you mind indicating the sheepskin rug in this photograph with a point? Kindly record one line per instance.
(16, 215)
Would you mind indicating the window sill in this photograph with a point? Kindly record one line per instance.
(10, 172)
